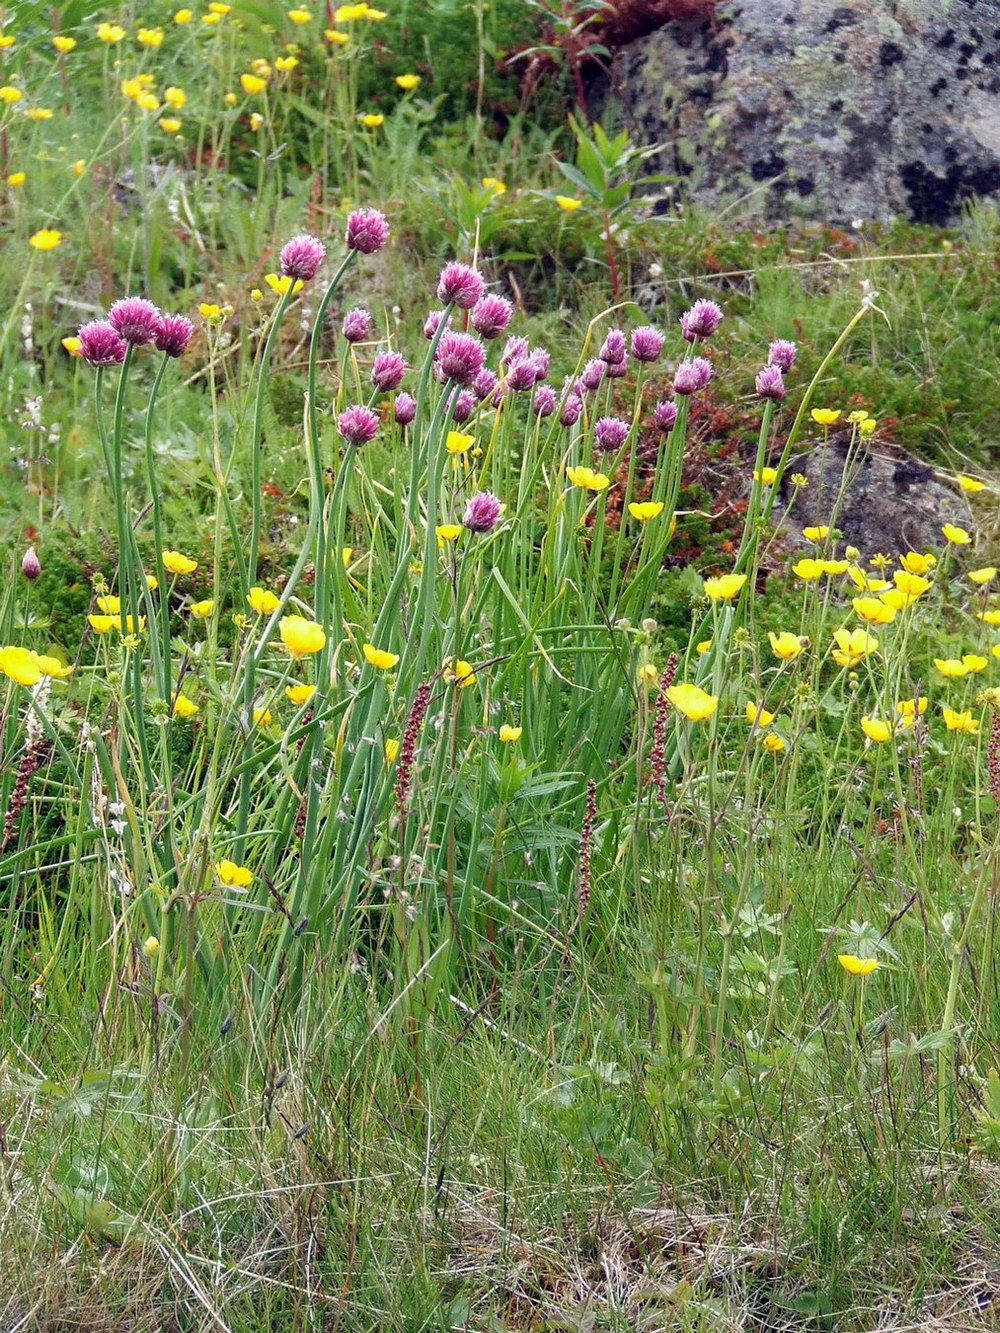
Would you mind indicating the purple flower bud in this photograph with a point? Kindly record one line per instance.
(100, 344)
(301, 257)
(173, 335)
(484, 384)
(592, 374)
(610, 434)
(460, 285)
(647, 343)
(782, 354)
(664, 416)
(387, 371)
(514, 349)
(357, 325)
(433, 322)
(460, 357)
(358, 425)
(522, 375)
(462, 408)
(482, 512)
(700, 321)
(367, 230)
(616, 370)
(770, 383)
(544, 402)
(614, 346)
(692, 375)
(31, 566)
(491, 315)
(572, 406)
(404, 409)
(135, 319)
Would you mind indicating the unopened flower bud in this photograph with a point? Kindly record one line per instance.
(30, 564)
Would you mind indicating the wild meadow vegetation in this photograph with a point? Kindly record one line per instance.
(467, 861)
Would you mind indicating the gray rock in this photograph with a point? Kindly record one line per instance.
(880, 497)
(838, 111)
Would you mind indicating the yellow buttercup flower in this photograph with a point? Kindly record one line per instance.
(724, 587)
(983, 575)
(282, 284)
(767, 476)
(63, 44)
(703, 646)
(149, 36)
(263, 601)
(169, 125)
(252, 84)
(6, 41)
(209, 311)
(989, 617)
(876, 730)
(969, 484)
(857, 967)
(109, 604)
(72, 345)
(496, 186)
(646, 674)
(808, 568)
(457, 443)
(816, 534)
(974, 662)
(391, 750)
(217, 7)
(39, 113)
(183, 15)
(957, 536)
(915, 563)
(148, 102)
(338, 38)
(177, 563)
(16, 178)
(10, 95)
(587, 478)
(301, 637)
(46, 239)
(174, 97)
(20, 665)
(951, 666)
(110, 33)
(101, 624)
(236, 876)
(834, 566)
(79, 166)
(230, 99)
(184, 707)
(873, 610)
(692, 701)
(785, 645)
(455, 669)
(286, 63)
(379, 658)
(824, 416)
(407, 82)
(644, 510)
(852, 646)
(568, 204)
(300, 15)
(773, 742)
(910, 708)
(262, 717)
(256, 121)
(510, 734)
(757, 715)
(300, 694)
(203, 608)
(955, 721)
(371, 120)
(447, 532)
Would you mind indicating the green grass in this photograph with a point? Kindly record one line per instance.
(557, 1038)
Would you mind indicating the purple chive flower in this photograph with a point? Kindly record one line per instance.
(301, 257)
(692, 375)
(101, 344)
(647, 343)
(613, 348)
(782, 354)
(173, 335)
(664, 416)
(616, 370)
(700, 321)
(135, 319)
(367, 230)
(460, 285)
(433, 322)
(358, 425)
(592, 374)
(404, 409)
(387, 371)
(462, 408)
(540, 359)
(484, 384)
(459, 357)
(522, 375)
(357, 325)
(770, 383)
(572, 406)
(491, 315)
(482, 512)
(544, 402)
(514, 349)
(610, 434)
(31, 566)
